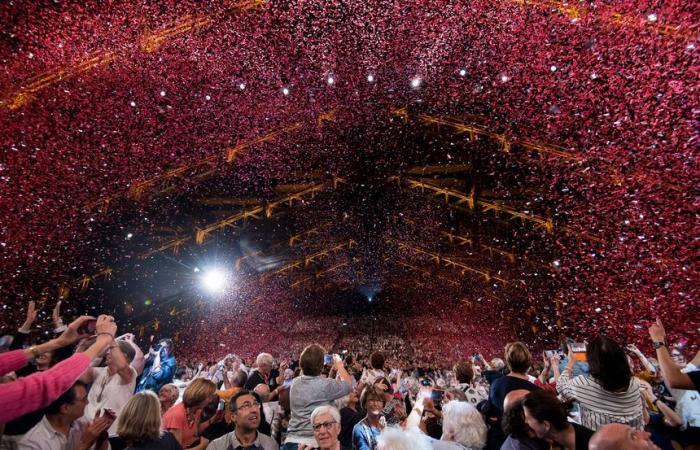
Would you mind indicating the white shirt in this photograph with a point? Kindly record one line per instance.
(114, 394)
(44, 437)
(688, 402)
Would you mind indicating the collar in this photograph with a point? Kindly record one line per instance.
(236, 444)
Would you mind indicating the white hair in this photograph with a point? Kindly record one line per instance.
(497, 364)
(326, 409)
(264, 358)
(462, 423)
(394, 438)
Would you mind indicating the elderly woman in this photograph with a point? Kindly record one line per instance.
(168, 395)
(325, 420)
(139, 424)
(463, 428)
(365, 433)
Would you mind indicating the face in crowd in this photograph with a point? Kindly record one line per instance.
(326, 430)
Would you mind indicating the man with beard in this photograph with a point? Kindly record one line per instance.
(245, 410)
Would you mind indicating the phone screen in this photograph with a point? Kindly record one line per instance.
(327, 359)
(221, 406)
(437, 395)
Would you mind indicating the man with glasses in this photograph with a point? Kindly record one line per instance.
(325, 421)
(245, 412)
(64, 427)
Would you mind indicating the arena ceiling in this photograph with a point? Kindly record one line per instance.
(530, 165)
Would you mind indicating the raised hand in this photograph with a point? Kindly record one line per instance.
(71, 334)
(56, 315)
(31, 317)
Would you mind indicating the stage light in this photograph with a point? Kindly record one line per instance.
(214, 280)
(369, 299)
(196, 269)
(129, 236)
(207, 98)
(162, 93)
(241, 86)
(285, 91)
(330, 80)
(415, 82)
(370, 78)
(462, 72)
(553, 68)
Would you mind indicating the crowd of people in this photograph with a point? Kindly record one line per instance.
(88, 387)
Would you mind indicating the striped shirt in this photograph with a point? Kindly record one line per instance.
(600, 407)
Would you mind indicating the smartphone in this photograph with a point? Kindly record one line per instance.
(579, 350)
(437, 395)
(425, 382)
(327, 359)
(550, 353)
(287, 383)
(221, 406)
(88, 327)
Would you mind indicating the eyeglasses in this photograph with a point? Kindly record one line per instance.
(326, 425)
(248, 405)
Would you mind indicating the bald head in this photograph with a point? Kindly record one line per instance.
(617, 436)
(263, 391)
(513, 398)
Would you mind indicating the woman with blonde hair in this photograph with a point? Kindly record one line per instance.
(139, 424)
(183, 419)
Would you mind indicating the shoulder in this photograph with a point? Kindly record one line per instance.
(267, 441)
(220, 443)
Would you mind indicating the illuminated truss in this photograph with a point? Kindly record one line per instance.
(444, 169)
(83, 282)
(484, 206)
(605, 14)
(312, 258)
(268, 210)
(429, 274)
(318, 275)
(232, 152)
(149, 41)
(196, 170)
(451, 263)
(476, 131)
(463, 240)
(29, 88)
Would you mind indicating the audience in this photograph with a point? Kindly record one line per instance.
(183, 419)
(82, 396)
(618, 436)
(66, 427)
(548, 418)
(310, 390)
(365, 432)
(610, 394)
(245, 409)
(326, 424)
(139, 424)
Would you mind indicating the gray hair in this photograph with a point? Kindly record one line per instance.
(326, 409)
(497, 364)
(463, 424)
(394, 438)
(264, 358)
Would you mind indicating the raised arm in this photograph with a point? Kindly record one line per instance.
(671, 373)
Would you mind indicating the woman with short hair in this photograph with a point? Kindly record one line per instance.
(365, 433)
(139, 424)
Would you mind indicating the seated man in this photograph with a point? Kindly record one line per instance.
(617, 436)
(245, 409)
(64, 426)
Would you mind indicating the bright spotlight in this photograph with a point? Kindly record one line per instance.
(214, 280)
